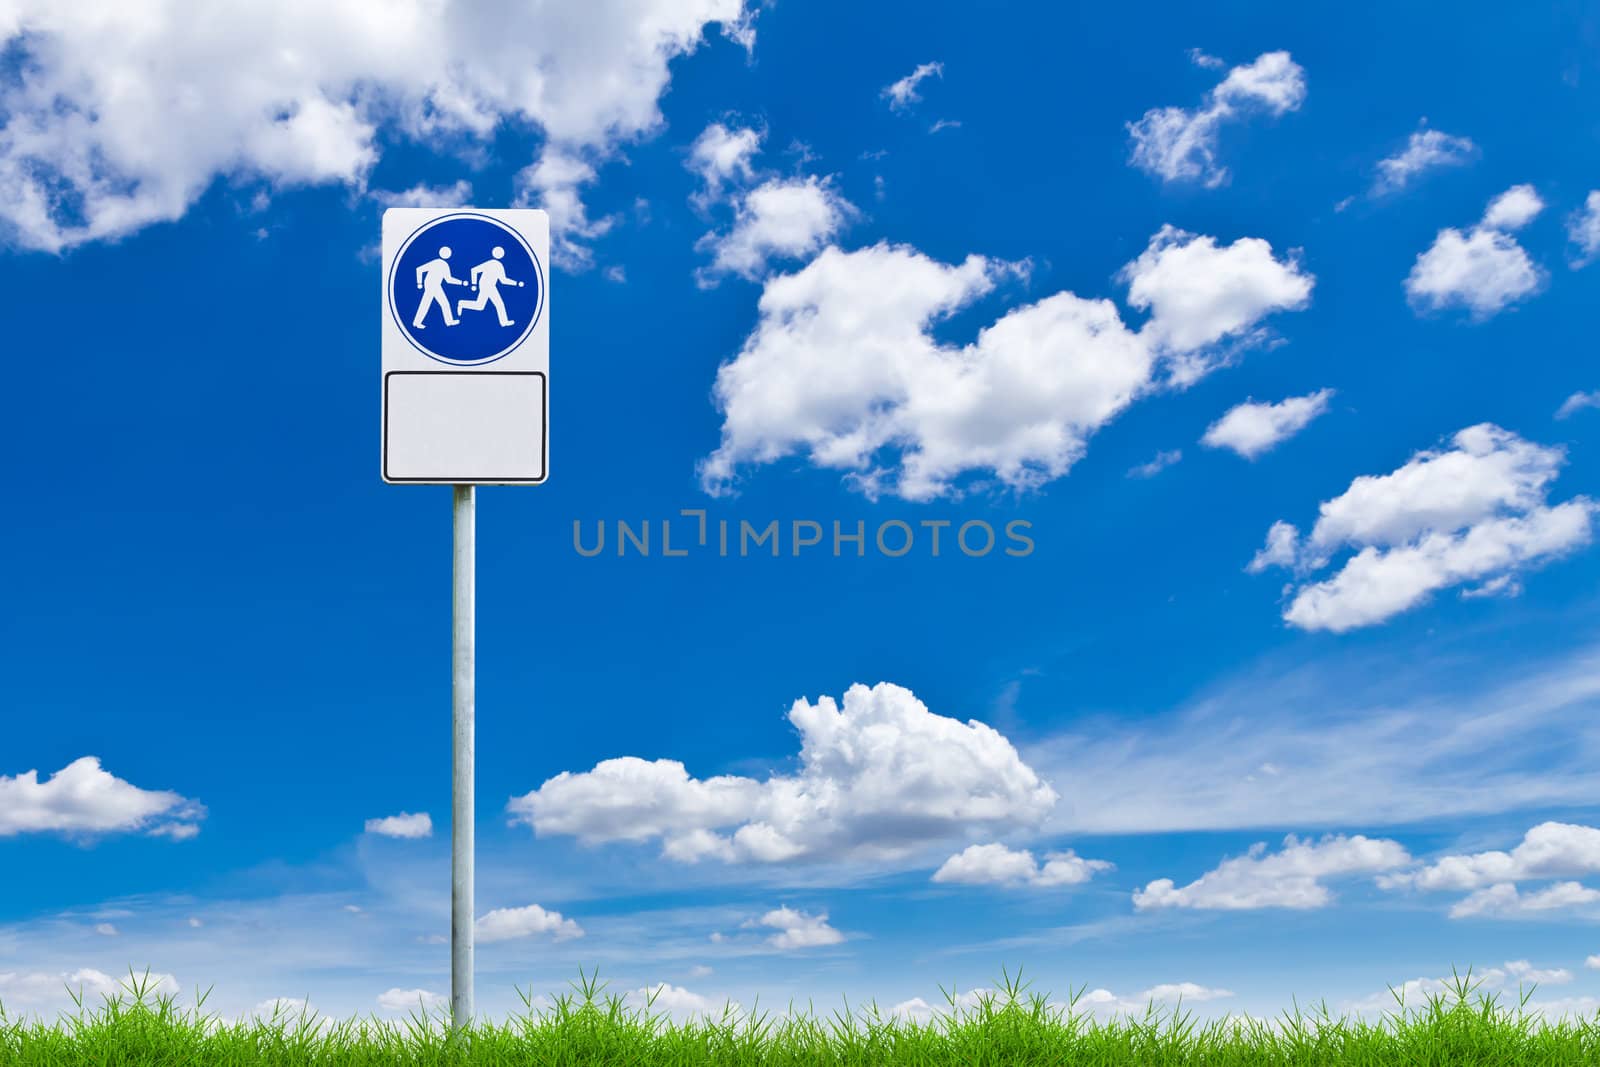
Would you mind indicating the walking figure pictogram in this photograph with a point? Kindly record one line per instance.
(487, 277)
(432, 277)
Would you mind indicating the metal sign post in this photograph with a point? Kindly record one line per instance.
(463, 665)
(466, 402)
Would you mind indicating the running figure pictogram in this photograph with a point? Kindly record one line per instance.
(431, 279)
(487, 278)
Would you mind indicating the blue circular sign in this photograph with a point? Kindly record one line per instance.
(466, 288)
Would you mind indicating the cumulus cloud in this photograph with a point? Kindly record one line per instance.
(418, 1000)
(722, 155)
(290, 1011)
(122, 115)
(1414, 992)
(1096, 1002)
(1577, 402)
(506, 924)
(1513, 209)
(554, 182)
(1474, 514)
(1105, 1002)
(1548, 850)
(1505, 901)
(1484, 269)
(879, 777)
(666, 999)
(1425, 150)
(843, 367)
(903, 93)
(1523, 971)
(402, 825)
(773, 217)
(798, 929)
(1252, 429)
(783, 218)
(31, 988)
(82, 798)
(456, 194)
(1180, 144)
(1292, 877)
(996, 864)
(1583, 230)
(1199, 294)
(919, 1010)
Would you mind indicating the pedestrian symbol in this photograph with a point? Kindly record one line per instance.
(476, 319)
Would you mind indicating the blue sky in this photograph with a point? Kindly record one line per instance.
(763, 306)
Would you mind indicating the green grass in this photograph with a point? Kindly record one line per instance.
(1014, 1026)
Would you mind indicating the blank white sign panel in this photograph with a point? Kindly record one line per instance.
(443, 426)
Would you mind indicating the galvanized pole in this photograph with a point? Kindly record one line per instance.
(462, 744)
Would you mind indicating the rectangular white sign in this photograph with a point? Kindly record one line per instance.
(466, 346)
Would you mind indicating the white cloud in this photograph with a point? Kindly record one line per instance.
(1252, 429)
(121, 115)
(554, 183)
(1484, 269)
(1579, 1009)
(1289, 878)
(920, 1011)
(1425, 150)
(783, 218)
(1178, 144)
(1281, 549)
(1096, 1002)
(1548, 850)
(1199, 294)
(456, 194)
(1103, 1002)
(290, 1012)
(1472, 513)
(1513, 209)
(412, 1000)
(1156, 464)
(903, 93)
(403, 825)
(798, 929)
(1523, 971)
(1414, 992)
(666, 999)
(1592, 962)
(105, 929)
(1583, 229)
(843, 367)
(996, 864)
(1505, 901)
(879, 777)
(1577, 402)
(31, 988)
(721, 156)
(81, 798)
(506, 924)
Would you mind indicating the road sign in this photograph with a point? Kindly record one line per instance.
(466, 346)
